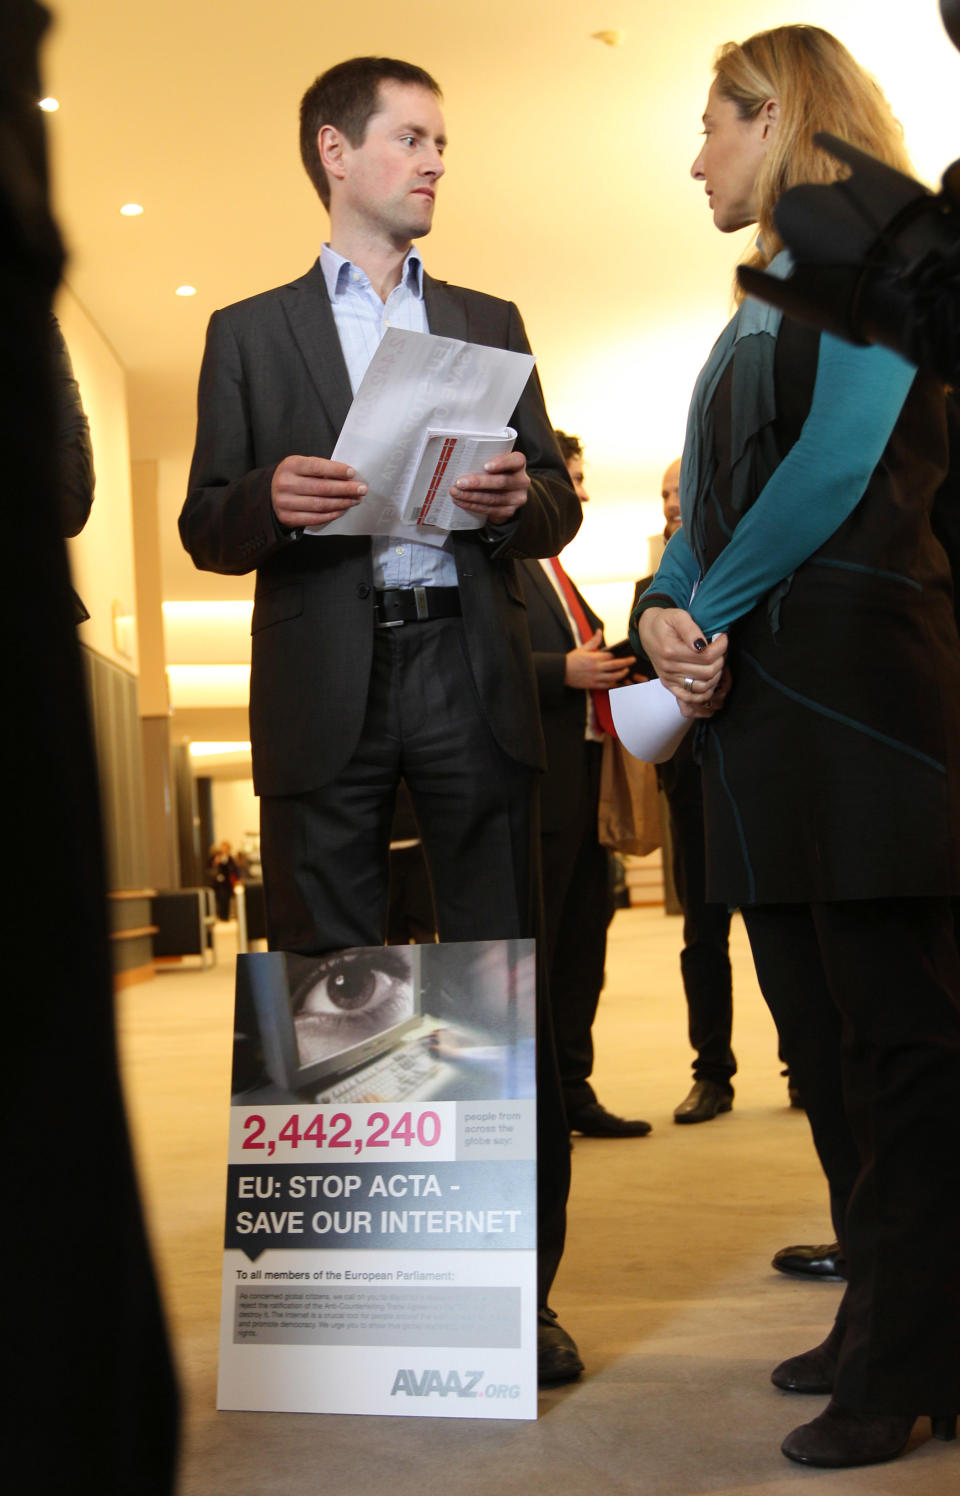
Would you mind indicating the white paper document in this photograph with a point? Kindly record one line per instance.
(417, 388)
(648, 720)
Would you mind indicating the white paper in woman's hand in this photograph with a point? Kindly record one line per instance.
(648, 719)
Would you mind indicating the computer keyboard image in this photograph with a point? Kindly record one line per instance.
(393, 1077)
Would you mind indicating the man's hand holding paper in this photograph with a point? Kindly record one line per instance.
(496, 493)
(312, 490)
(417, 383)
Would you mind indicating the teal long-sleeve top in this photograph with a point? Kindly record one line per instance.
(857, 398)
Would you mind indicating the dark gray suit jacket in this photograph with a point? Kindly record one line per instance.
(274, 383)
(563, 708)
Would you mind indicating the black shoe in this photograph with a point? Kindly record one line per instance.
(812, 1262)
(813, 1371)
(704, 1101)
(840, 1439)
(793, 1092)
(558, 1359)
(594, 1121)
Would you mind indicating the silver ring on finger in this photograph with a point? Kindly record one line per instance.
(688, 682)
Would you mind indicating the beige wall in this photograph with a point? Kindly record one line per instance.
(101, 557)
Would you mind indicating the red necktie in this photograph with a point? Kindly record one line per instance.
(601, 704)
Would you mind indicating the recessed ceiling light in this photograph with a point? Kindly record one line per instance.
(49, 106)
(186, 290)
(131, 210)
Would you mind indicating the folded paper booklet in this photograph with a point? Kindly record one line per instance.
(446, 455)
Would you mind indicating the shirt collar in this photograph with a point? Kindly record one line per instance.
(336, 271)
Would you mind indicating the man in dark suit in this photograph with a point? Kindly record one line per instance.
(574, 673)
(705, 958)
(385, 658)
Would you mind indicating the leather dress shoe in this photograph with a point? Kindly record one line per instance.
(812, 1371)
(703, 1102)
(840, 1438)
(812, 1262)
(594, 1121)
(793, 1092)
(558, 1359)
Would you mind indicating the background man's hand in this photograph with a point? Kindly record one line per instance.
(593, 668)
(313, 490)
(496, 493)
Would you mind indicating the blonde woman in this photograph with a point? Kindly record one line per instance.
(803, 614)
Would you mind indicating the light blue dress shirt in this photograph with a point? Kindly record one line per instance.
(362, 319)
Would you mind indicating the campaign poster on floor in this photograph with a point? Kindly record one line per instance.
(380, 1245)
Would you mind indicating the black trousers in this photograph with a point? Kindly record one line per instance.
(705, 958)
(325, 854)
(578, 907)
(866, 995)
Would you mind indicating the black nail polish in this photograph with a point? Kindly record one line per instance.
(699, 644)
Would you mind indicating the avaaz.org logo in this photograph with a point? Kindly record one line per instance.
(409, 1383)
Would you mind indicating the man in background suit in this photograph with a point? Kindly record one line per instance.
(705, 958)
(378, 660)
(574, 673)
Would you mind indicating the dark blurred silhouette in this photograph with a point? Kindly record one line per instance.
(92, 1395)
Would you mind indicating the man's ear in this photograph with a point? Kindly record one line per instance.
(770, 114)
(330, 148)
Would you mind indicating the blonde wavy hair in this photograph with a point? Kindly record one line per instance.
(818, 86)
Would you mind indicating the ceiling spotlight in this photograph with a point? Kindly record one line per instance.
(49, 106)
(131, 210)
(609, 38)
(186, 290)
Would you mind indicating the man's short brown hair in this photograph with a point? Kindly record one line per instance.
(346, 96)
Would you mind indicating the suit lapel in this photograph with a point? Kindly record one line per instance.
(306, 305)
(446, 311)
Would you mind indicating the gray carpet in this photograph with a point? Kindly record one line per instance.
(666, 1283)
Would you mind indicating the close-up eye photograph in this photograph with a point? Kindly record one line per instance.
(351, 996)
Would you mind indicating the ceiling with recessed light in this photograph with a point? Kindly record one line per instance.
(567, 190)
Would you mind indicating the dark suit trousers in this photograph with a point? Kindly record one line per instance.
(705, 958)
(866, 995)
(578, 907)
(326, 853)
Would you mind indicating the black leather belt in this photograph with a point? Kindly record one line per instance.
(396, 605)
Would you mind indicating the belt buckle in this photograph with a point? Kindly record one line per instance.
(388, 623)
